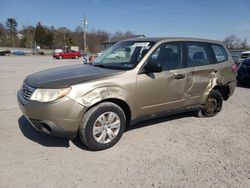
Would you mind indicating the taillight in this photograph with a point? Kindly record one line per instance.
(234, 68)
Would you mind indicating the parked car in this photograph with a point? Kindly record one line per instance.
(19, 52)
(243, 76)
(161, 76)
(243, 56)
(236, 56)
(67, 54)
(41, 53)
(116, 55)
(4, 53)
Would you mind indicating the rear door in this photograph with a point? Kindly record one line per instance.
(198, 56)
(68, 54)
(71, 54)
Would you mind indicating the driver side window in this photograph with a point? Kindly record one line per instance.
(169, 55)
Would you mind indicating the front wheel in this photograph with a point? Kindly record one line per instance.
(213, 104)
(102, 126)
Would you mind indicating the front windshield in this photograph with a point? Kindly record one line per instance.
(123, 55)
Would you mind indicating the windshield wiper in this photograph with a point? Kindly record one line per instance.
(100, 65)
(112, 66)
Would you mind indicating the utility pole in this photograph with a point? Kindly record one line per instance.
(85, 22)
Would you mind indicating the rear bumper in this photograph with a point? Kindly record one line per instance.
(60, 118)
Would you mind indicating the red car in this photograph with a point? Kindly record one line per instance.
(67, 54)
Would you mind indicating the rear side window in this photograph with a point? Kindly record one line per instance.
(245, 55)
(220, 53)
(197, 54)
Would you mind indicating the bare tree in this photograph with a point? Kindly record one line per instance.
(233, 42)
(244, 44)
(117, 36)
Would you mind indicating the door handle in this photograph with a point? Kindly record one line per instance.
(179, 76)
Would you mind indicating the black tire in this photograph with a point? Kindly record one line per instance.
(89, 119)
(213, 105)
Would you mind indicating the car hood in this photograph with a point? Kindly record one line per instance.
(68, 75)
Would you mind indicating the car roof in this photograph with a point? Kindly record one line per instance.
(157, 39)
(246, 52)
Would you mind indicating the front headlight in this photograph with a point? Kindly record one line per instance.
(47, 95)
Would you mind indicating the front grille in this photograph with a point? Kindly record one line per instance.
(27, 91)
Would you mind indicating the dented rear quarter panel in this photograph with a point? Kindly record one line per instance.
(220, 75)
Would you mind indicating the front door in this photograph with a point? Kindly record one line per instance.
(164, 91)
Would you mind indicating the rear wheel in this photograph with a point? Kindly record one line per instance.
(213, 105)
(60, 57)
(76, 57)
(102, 126)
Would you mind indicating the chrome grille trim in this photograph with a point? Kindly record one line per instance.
(26, 91)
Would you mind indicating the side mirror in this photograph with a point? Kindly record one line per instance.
(153, 66)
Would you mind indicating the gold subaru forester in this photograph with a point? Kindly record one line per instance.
(134, 79)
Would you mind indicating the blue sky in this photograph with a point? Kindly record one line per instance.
(213, 19)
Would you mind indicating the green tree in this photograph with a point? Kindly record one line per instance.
(2, 34)
(43, 36)
(11, 26)
(39, 34)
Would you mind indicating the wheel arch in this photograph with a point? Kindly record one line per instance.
(121, 103)
(224, 90)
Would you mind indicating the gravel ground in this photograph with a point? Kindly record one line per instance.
(175, 151)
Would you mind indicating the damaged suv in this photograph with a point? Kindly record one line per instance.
(153, 77)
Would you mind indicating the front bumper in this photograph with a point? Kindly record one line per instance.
(60, 118)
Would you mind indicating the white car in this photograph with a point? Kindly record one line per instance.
(116, 55)
(243, 56)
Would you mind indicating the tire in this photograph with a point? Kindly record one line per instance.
(76, 57)
(104, 136)
(60, 57)
(213, 105)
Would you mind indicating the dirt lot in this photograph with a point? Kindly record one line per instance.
(175, 151)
